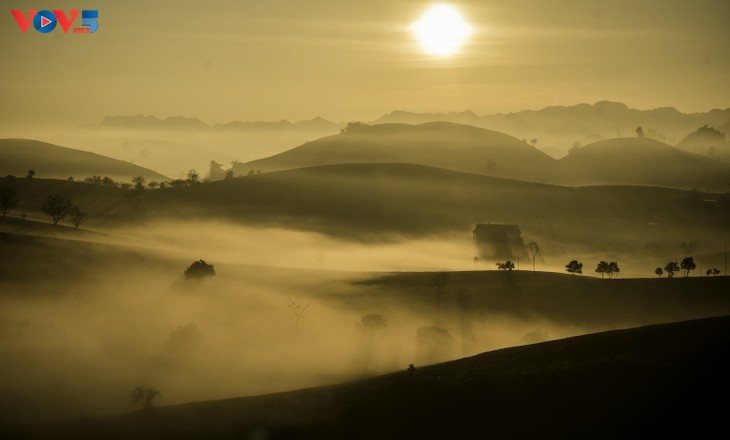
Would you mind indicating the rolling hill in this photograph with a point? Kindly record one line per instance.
(655, 381)
(49, 161)
(439, 144)
(644, 161)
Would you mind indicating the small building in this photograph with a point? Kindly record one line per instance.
(498, 242)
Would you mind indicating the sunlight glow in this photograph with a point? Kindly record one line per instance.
(441, 30)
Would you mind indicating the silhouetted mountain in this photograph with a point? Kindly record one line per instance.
(706, 141)
(560, 126)
(440, 144)
(643, 161)
(49, 161)
(142, 122)
(644, 382)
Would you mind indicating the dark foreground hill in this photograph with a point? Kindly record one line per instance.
(49, 161)
(658, 381)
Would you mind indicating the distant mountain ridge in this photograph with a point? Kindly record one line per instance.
(150, 122)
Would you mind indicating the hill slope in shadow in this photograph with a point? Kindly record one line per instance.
(17, 156)
(638, 383)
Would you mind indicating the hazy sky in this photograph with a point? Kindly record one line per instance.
(347, 60)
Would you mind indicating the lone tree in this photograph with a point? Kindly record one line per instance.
(714, 272)
(30, 174)
(369, 325)
(658, 271)
(534, 251)
(671, 268)
(299, 310)
(199, 270)
(144, 396)
(602, 268)
(76, 216)
(57, 207)
(8, 200)
(574, 267)
(688, 265)
(639, 132)
(192, 177)
(507, 265)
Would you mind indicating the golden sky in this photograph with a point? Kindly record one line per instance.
(355, 60)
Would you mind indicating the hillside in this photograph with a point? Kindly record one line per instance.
(439, 144)
(635, 161)
(49, 161)
(707, 141)
(645, 382)
(363, 201)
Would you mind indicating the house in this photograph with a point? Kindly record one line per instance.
(498, 242)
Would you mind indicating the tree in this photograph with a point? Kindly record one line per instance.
(108, 181)
(229, 175)
(138, 183)
(688, 265)
(713, 271)
(199, 270)
(192, 177)
(8, 200)
(215, 171)
(251, 172)
(31, 174)
(612, 269)
(153, 185)
(144, 396)
(671, 268)
(658, 271)
(299, 311)
(534, 250)
(602, 268)
(369, 325)
(70, 178)
(76, 215)
(57, 207)
(639, 132)
(574, 267)
(507, 265)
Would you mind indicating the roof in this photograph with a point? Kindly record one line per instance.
(494, 227)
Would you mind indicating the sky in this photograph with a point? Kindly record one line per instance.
(356, 60)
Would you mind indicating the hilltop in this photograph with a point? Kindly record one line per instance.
(439, 144)
(49, 161)
(636, 383)
(646, 162)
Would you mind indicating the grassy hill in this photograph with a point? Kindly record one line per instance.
(644, 161)
(645, 382)
(361, 201)
(49, 161)
(440, 144)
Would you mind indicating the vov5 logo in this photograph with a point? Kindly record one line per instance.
(46, 21)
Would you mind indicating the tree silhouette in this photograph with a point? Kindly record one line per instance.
(199, 270)
(639, 132)
(8, 200)
(658, 271)
(671, 268)
(574, 267)
(299, 310)
(369, 325)
(229, 175)
(144, 396)
(534, 250)
(612, 270)
(602, 268)
(507, 265)
(713, 271)
(191, 178)
(57, 207)
(215, 171)
(31, 174)
(688, 265)
(76, 215)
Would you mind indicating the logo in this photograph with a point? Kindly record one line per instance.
(46, 21)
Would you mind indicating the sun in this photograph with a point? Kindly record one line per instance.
(441, 30)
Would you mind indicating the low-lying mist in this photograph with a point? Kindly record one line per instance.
(81, 323)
